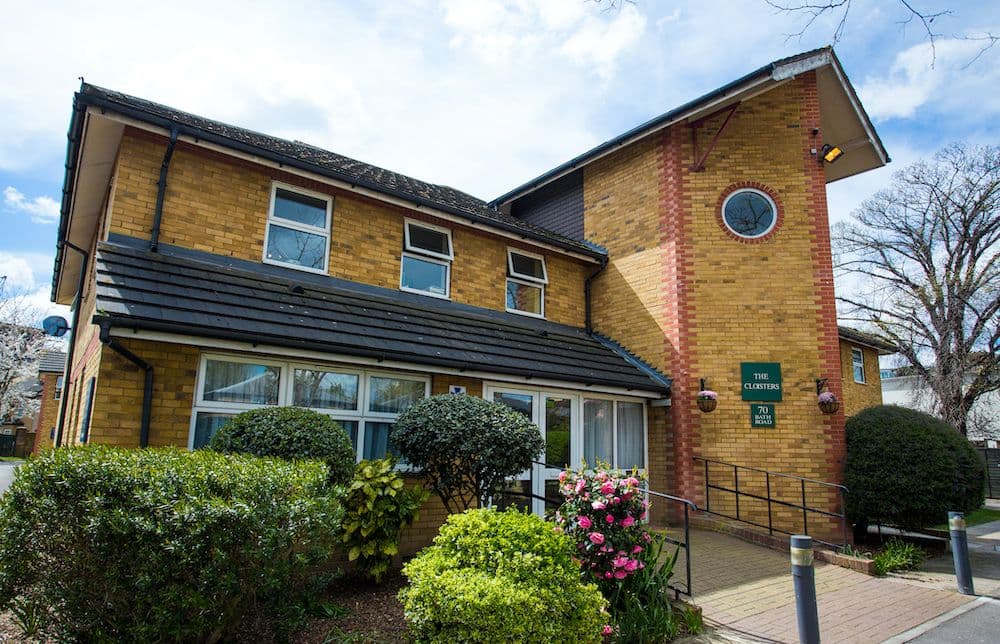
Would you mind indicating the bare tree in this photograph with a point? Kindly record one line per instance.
(839, 10)
(926, 251)
(21, 341)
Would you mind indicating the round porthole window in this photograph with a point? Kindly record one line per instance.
(749, 213)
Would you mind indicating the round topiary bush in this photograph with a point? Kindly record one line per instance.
(908, 468)
(291, 433)
(500, 577)
(466, 447)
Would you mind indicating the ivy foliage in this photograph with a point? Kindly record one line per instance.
(467, 448)
(500, 577)
(107, 544)
(377, 507)
(291, 433)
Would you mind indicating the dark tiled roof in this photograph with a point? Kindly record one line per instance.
(52, 361)
(873, 341)
(336, 166)
(196, 293)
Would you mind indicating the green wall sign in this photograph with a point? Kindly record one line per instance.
(761, 380)
(762, 415)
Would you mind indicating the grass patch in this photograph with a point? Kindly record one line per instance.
(897, 554)
(976, 517)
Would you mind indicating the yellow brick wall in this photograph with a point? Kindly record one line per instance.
(48, 412)
(219, 204)
(858, 396)
(697, 303)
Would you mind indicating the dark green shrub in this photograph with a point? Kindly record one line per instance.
(500, 577)
(376, 508)
(107, 544)
(290, 433)
(466, 447)
(908, 468)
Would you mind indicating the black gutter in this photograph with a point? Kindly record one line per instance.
(73, 137)
(147, 390)
(211, 137)
(588, 324)
(421, 359)
(161, 190)
(81, 282)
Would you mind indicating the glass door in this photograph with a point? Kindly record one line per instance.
(558, 427)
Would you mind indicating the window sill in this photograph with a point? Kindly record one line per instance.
(425, 293)
(296, 267)
(540, 316)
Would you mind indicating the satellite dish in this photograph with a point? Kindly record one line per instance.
(55, 326)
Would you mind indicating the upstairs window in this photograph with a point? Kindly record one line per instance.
(858, 363)
(298, 229)
(59, 387)
(526, 280)
(425, 267)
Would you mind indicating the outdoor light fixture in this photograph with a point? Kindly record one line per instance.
(830, 153)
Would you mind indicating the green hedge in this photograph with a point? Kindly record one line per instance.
(500, 577)
(908, 468)
(101, 544)
(290, 433)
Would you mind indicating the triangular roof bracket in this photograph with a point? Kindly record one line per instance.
(699, 163)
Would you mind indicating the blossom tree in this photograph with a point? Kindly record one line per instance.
(20, 344)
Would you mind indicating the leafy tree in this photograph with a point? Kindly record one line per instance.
(927, 255)
(466, 447)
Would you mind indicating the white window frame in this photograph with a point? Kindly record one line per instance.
(57, 394)
(432, 260)
(525, 280)
(522, 276)
(324, 232)
(423, 251)
(424, 255)
(286, 392)
(576, 426)
(860, 352)
(767, 197)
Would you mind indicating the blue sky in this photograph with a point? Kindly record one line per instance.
(477, 95)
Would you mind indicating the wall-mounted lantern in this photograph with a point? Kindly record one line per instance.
(707, 399)
(827, 400)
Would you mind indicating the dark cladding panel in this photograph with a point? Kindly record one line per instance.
(557, 207)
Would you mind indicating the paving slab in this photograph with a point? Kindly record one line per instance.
(745, 591)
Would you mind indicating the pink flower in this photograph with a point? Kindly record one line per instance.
(602, 476)
(631, 482)
(608, 487)
(620, 574)
(596, 538)
(642, 517)
(636, 549)
(606, 548)
(580, 484)
(608, 575)
(607, 630)
(616, 500)
(628, 522)
(621, 562)
(598, 505)
(631, 565)
(585, 522)
(562, 476)
(609, 519)
(646, 537)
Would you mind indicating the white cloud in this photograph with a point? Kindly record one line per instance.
(42, 210)
(17, 270)
(912, 87)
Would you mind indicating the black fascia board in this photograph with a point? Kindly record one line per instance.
(211, 137)
(74, 138)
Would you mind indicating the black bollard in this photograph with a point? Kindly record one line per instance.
(804, 578)
(960, 552)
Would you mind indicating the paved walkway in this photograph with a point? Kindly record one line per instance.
(748, 589)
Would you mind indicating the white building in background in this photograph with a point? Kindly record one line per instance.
(909, 391)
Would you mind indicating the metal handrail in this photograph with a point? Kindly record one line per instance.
(771, 529)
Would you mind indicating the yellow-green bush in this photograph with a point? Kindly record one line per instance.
(500, 577)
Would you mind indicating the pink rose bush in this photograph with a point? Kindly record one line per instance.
(602, 512)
